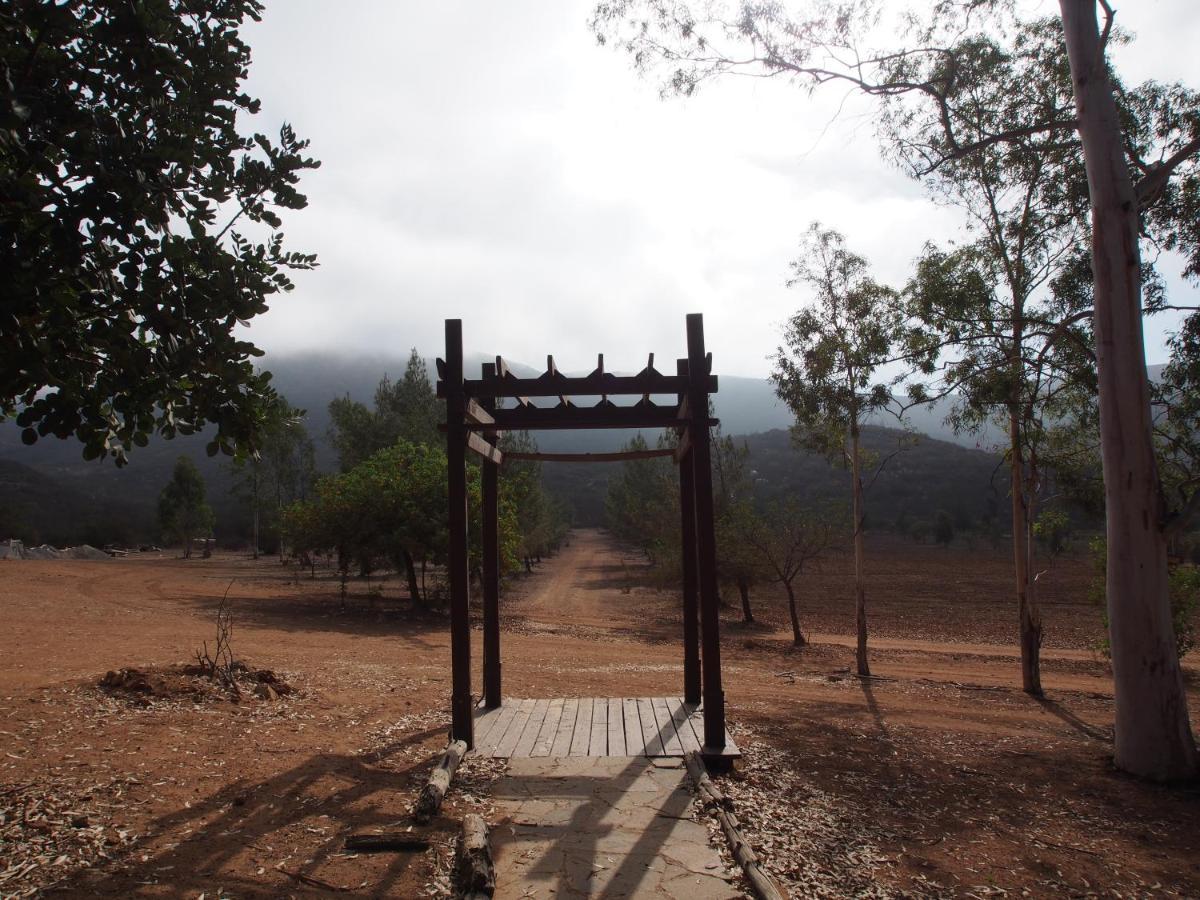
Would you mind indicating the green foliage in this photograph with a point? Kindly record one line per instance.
(642, 505)
(541, 520)
(123, 174)
(404, 410)
(183, 510)
(824, 371)
(1053, 530)
(943, 528)
(1183, 592)
(282, 471)
(392, 503)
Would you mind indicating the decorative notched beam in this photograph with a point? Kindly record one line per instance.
(641, 385)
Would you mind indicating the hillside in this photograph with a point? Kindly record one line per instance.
(49, 493)
(912, 486)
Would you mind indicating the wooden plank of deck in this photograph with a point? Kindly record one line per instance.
(653, 742)
(530, 735)
(583, 728)
(679, 715)
(634, 744)
(598, 745)
(486, 746)
(566, 728)
(696, 720)
(512, 734)
(666, 727)
(616, 728)
(484, 720)
(545, 738)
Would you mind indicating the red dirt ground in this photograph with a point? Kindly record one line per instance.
(938, 777)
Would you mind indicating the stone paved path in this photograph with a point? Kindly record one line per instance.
(602, 827)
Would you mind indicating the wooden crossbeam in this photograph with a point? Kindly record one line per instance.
(615, 456)
(477, 414)
(537, 418)
(483, 448)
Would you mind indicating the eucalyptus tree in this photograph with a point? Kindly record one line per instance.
(825, 372)
(1141, 147)
(1153, 734)
(281, 471)
(139, 222)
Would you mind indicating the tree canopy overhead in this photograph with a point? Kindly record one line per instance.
(124, 178)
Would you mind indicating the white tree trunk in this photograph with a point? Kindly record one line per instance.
(859, 514)
(1028, 618)
(1153, 735)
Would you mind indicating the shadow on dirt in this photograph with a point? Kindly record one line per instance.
(244, 837)
(321, 611)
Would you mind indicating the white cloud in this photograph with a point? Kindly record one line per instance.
(489, 161)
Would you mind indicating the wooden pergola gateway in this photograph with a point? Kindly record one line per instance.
(473, 421)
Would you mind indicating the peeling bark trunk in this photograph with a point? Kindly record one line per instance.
(414, 589)
(255, 488)
(1028, 617)
(860, 595)
(1153, 734)
(744, 589)
(797, 635)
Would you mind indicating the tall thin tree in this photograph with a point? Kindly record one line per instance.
(826, 368)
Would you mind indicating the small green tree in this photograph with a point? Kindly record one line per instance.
(788, 538)
(733, 510)
(183, 510)
(825, 371)
(642, 504)
(403, 410)
(943, 528)
(281, 472)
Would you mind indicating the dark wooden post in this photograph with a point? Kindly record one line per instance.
(491, 563)
(687, 508)
(706, 539)
(462, 723)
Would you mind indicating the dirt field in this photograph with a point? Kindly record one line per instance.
(937, 778)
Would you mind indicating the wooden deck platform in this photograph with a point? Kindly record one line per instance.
(593, 726)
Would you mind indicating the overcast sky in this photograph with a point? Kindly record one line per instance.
(489, 161)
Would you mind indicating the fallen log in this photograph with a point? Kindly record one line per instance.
(434, 792)
(474, 872)
(387, 842)
(709, 792)
(764, 888)
(760, 881)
